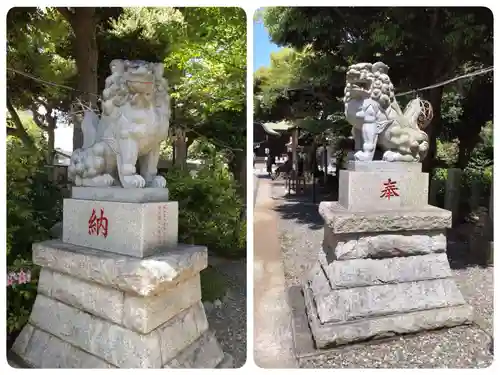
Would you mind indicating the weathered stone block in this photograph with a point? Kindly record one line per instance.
(87, 341)
(134, 229)
(382, 244)
(145, 277)
(382, 190)
(143, 314)
(94, 298)
(329, 335)
(340, 220)
(47, 351)
(118, 194)
(22, 340)
(115, 344)
(356, 273)
(205, 352)
(342, 305)
(181, 331)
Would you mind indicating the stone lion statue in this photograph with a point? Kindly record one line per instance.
(377, 119)
(135, 119)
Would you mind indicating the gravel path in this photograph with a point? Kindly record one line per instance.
(229, 320)
(301, 233)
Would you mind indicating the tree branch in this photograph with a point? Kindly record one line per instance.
(19, 131)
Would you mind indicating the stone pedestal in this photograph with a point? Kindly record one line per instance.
(136, 305)
(383, 269)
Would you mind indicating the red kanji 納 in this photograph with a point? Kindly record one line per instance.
(389, 190)
(98, 225)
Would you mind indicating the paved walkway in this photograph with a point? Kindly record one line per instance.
(273, 345)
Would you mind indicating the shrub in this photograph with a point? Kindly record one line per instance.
(209, 208)
(478, 174)
(477, 177)
(34, 204)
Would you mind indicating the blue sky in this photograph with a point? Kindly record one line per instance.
(262, 46)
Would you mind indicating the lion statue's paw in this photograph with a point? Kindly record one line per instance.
(106, 179)
(158, 182)
(390, 156)
(397, 156)
(363, 156)
(134, 181)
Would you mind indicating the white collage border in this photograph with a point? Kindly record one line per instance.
(250, 7)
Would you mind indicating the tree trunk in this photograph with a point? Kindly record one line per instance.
(83, 21)
(238, 167)
(180, 148)
(19, 131)
(51, 141)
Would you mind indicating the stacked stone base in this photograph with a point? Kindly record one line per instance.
(383, 269)
(97, 309)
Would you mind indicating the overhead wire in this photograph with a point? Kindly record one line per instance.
(213, 140)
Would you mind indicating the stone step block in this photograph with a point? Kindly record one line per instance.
(181, 331)
(114, 344)
(382, 244)
(143, 314)
(134, 229)
(369, 272)
(96, 299)
(343, 305)
(382, 190)
(138, 313)
(205, 352)
(338, 219)
(110, 342)
(331, 335)
(145, 277)
(47, 351)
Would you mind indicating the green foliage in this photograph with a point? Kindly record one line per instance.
(477, 177)
(480, 166)
(204, 51)
(210, 93)
(455, 41)
(447, 152)
(36, 41)
(34, 205)
(209, 209)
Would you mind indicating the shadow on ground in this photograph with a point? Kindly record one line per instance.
(306, 214)
(460, 256)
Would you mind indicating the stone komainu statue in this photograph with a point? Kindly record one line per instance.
(371, 108)
(135, 119)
